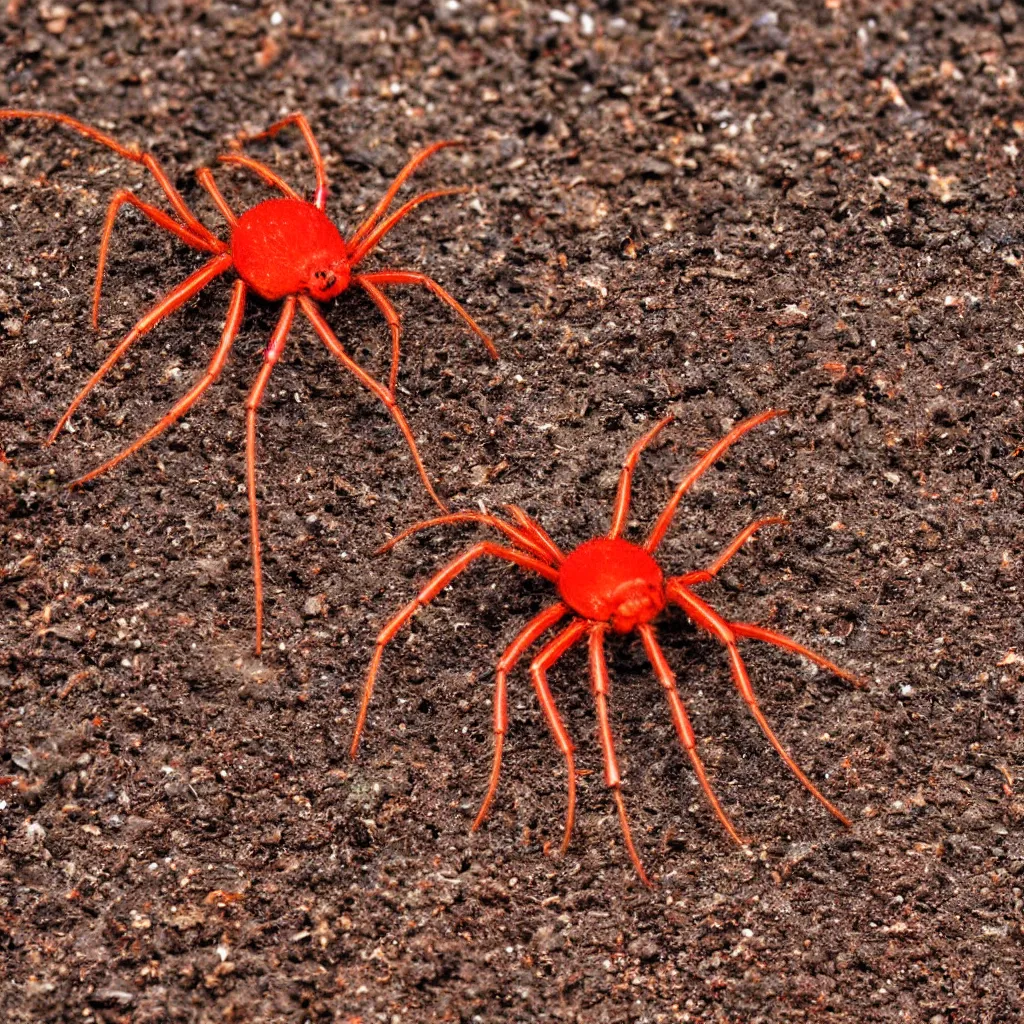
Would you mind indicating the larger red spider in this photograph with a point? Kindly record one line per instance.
(608, 584)
(282, 249)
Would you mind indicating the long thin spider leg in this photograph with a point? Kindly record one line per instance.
(357, 253)
(394, 323)
(270, 357)
(534, 629)
(205, 178)
(386, 277)
(751, 631)
(731, 549)
(537, 532)
(157, 216)
(262, 171)
(681, 721)
(516, 536)
(713, 454)
(299, 120)
(626, 477)
(381, 208)
(192, 285)
(612, 778)
(707, 618)
(434, 587)
(232, 324)
(549, 654)
(132, 153)
(322, 328)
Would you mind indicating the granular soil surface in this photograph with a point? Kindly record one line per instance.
(704, 208)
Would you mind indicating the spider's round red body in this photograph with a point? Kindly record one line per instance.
(608, 584)
(285, 247)
(610, 580)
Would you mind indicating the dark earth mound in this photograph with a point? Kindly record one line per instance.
(709, 208)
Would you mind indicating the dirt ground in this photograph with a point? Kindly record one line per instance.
(705, 208)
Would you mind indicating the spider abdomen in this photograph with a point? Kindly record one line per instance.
(610, 580)
(287, 247)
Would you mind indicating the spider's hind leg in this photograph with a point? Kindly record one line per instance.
(708, 619)
(538, 672)
(534, 629)
(231, 326)
(683, 727)
(612, 777)
(273, 353)
(177, 297)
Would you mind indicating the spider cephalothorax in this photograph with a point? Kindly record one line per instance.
(284, 249)
(607, 579)
(608, 584)
(288, 247)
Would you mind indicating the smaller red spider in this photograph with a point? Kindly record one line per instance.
(608, 583)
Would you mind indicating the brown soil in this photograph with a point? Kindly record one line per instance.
(710, 208)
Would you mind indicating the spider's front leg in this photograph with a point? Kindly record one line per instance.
(158, 217)
(394, 321)
(414, 277)
(335, 347)
(135, 155)
(300, 122)
(425, 596)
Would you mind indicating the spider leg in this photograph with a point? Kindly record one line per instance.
(262, 171)
(434, 587)
(182, 406)
(158, 217)
(205, 178)
(322, 328)
(731, 549)
(681, 721)
(754, 632)
(136, 156)
(534, 629)
(299, 120)
(394, 322)
(358, 252)
(549, 654)
(539, 534)
(414, 277)
(713, 454)
(626, 477)
(176, 298)
(707, 618)
(516, 536)
(381, 208)
(612, 779)
(270, 358)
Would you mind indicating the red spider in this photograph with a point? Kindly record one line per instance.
(284, 248)
(608, 584)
